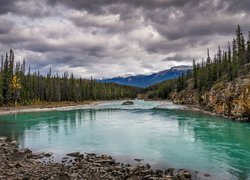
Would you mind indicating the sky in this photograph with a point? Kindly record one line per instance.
(107, 38)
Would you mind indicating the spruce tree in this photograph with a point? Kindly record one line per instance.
(194, 74)
(248, 49)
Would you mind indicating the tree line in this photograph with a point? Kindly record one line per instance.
(225, 65)
(19, 86)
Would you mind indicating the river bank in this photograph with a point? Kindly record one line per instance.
(24, 164)
(48, 106)
(226, 99)
(204, 110)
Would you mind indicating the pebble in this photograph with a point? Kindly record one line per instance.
(90, 166)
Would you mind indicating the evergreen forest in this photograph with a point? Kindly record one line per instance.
(18, 85)
(225, 66)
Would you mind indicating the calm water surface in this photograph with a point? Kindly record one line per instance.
(160, 133)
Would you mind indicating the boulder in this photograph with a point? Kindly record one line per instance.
(74, 154)
(128, 103)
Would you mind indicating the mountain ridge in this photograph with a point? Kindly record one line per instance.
(144, 81)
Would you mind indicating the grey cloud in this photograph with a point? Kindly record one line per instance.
(178, 57)
(97, 6)
(238, 6)
(5, 26)
(29, 8)
(6, 6)
(118, 36)
(32, 9)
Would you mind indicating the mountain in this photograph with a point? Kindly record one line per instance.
(148, 80)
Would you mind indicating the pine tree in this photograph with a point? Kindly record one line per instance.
(235, 61)
(248, 49)
(209, 71)
(219, 63)
(1, 82)
(6, 81)
(194, 74)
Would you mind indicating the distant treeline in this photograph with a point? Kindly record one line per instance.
(18, 86)
(225, 65)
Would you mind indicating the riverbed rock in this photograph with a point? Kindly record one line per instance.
(128, 103)
(38, 155)
(48, 154)
(23, 164)
(74, 154)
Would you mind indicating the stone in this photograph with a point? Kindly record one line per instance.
(91, 167)
(138, 160)
(18, 156)
(187, 174)
(48, 154)
(207, 175)
(128, 103)
(13, 143)
(169, 171)
(108, 161)
(74, 154)
(38, 155)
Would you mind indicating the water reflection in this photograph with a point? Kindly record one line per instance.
(178, 137)
(226, 140)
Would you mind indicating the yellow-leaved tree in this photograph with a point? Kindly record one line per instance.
(16, 86)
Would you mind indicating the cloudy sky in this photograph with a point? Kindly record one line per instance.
(106, 38)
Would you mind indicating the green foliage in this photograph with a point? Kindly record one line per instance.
(17, 86)
(225, 66)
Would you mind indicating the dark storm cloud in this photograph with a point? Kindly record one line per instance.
(97, 6)
(177, 57)
(114, 37)
(238, 6)
(29, 8)
(5, 26)
(6, 6)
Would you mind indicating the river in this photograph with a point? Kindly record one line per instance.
(161, 133)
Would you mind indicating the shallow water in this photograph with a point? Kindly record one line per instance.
(159, 133)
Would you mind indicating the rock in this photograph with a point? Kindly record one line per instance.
(18, 155)
(133, 169)
(23, 164)
(92, 154)
(148, 166)
(187, 174)
(230, 99)
(3, 139)
(13, 143)
(147, 176)
(128, 103)
(169, 171)
(207, 175)
(38, 155)
(138, 160)
(108, 161)
(48, 154)
(74, 154)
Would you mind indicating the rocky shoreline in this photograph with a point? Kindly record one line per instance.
(226, 99)
(24, 164)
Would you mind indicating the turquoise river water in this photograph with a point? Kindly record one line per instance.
(158, 132)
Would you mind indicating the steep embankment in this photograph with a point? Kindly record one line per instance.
(231, 99)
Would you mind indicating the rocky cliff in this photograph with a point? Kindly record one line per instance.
(231, 99)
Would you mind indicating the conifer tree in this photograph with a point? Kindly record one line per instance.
(248, 49)
(195, 78)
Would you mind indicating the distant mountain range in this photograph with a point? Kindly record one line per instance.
(148, 80)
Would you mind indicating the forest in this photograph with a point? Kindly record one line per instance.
(225, 65)
(21, 85)
(18, 85)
